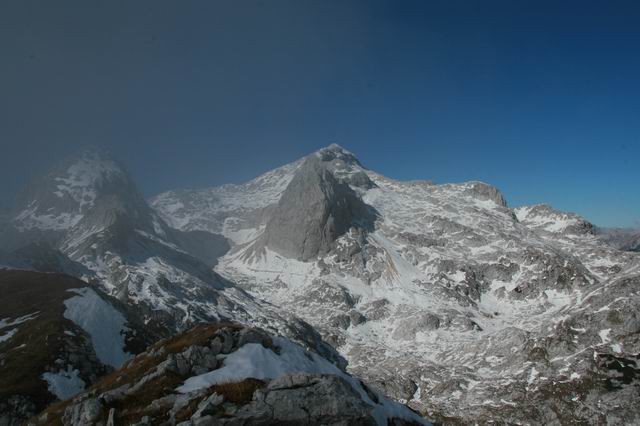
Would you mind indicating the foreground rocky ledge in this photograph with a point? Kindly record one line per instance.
(228, 375)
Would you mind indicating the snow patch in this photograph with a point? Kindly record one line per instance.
(6, 322)
(8, 335)
(533, 375)
(105, 324)
(604, 335)
(255, 361)
(64, 384)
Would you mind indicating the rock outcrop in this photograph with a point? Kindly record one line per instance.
(226, 374)
(314, 210)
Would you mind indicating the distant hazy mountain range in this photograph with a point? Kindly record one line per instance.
(623, 238)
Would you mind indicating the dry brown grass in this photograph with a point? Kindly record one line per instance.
(238, 392)
(188, 411)
(199, 335)
(25, 293)
(134, 407)
(138, 367)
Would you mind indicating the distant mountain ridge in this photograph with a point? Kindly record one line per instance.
(623, 238)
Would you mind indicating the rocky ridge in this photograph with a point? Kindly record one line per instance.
(210, 376)
(450, 300)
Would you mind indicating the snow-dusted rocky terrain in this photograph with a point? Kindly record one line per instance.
(87, 219)
(441, 295)
(226, 374)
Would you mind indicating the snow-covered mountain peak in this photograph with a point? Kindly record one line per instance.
(61, 198)
(543, 217)
(84, 178)
(90, 210)
(335, 152)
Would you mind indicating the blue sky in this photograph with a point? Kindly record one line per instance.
(540, 98)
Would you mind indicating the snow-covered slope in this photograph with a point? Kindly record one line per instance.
(91, 214)
(127, 251)
(87, 218)
(440, 295)
(449, 299)
(544, 218)
(229, 209)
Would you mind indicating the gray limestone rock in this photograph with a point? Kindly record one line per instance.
(315, 209)
(85, 413)
(309, 399)
(486, 192)
(407, 328)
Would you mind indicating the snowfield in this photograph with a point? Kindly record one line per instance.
(106, 325)
(64, 384)
(255, 361)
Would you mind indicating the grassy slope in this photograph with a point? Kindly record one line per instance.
(37, 341)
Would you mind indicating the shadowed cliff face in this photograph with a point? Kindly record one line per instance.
(315, 209)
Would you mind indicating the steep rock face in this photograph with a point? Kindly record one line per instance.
(314, 210)
(239, 211)
(448, 298)
(487, 192)
(225, 374)
(52, 340)
(230, 210)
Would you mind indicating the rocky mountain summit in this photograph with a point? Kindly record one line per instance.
(228, 375)
(440, 295)
(315, 209)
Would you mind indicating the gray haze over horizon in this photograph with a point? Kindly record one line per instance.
(539, 99)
